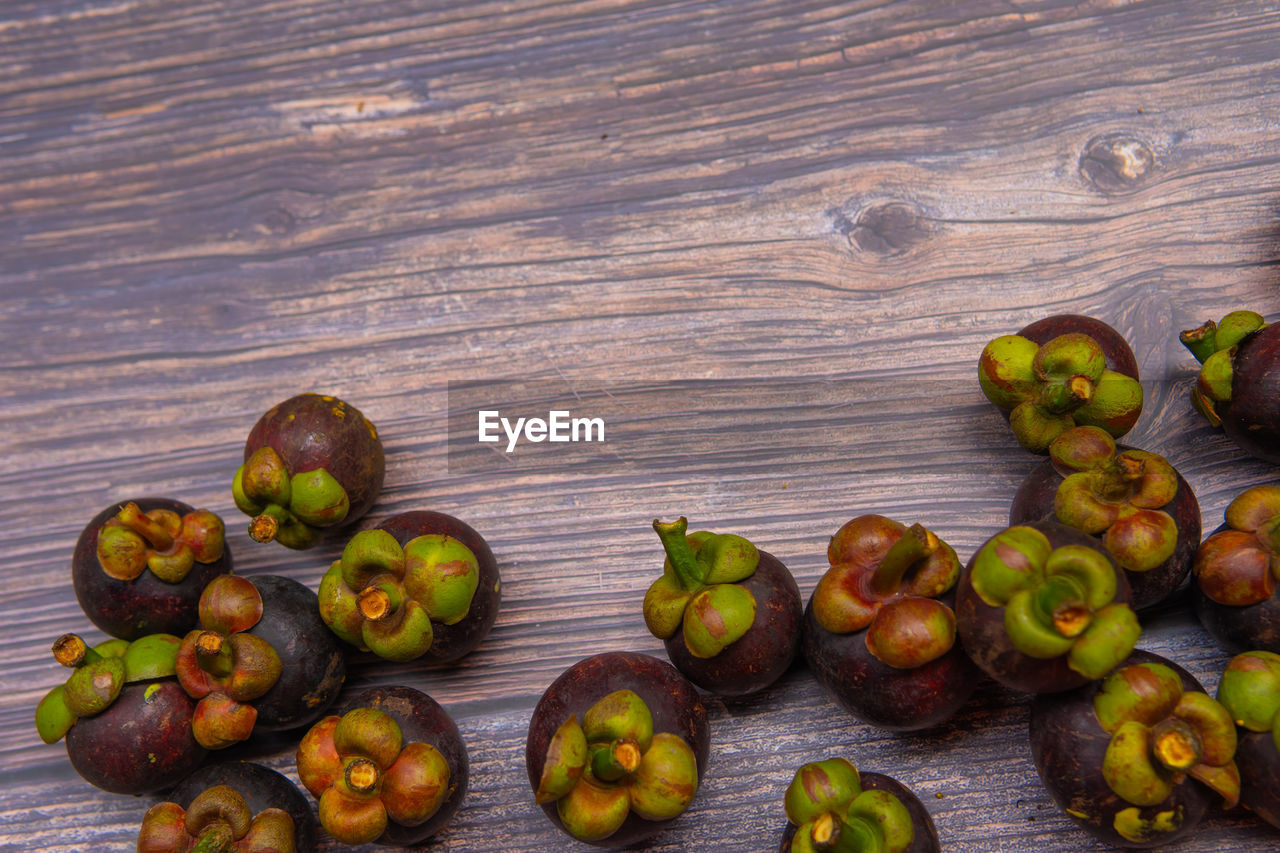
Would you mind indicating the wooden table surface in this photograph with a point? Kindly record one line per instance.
(764, 240)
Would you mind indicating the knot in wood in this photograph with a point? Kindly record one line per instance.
(1117, 163)
(888, 228)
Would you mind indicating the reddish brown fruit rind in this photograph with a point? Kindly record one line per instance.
(1238, 387)
(1069, 746)
(261, 787)
(146, 604)
(1119, 354)
(1236, 571)
(675, 705)
(925, 839)
(453, 642)
(981, 627)
(1034, 501)
(760, 656)
(421, 720)
(142, 743)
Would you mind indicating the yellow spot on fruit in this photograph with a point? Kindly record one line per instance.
(339, 412)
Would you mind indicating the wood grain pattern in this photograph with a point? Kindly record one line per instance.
(207, 207)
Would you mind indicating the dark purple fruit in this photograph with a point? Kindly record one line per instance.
(248, 807)
(1239, 384)
(831, 806)
(880, 633)
(126, 720)
(1250, 691)
(1236, 570)
(422, 585)
(729, 614)
(1134, 502)
(261, 659)
(1041, 608)
(1059, 372)
(310, 463)
(140, 565)
(616, 747)
(1137, 758)
(390, 767)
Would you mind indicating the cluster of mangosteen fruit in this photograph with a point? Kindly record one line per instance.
(898, 630)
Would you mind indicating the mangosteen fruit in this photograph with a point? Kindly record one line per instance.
(390, 767)
(1136, 758)
(879, 629)
(1238, 388)
(310, 463)
(139, 566)
(232, 807)
(833, 807)
(1250, 691)
(126, 720)
(616, 747)
(1236, 569)
(729, 614)
(1041, 608)
(261, 659)
(420, 585)
(1135, 502)
(1063, 371)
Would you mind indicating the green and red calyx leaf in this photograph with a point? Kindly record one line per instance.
(614, 764)
(383, 598)
(832, 812)
(1250, 691)
(1056, 601)
(364, 775)
(1240, 566)
(1161, 733)
(1214, 346)
(883, 578)
(699, 592)
(217, 821)
(289, 507)
(161, 541)
(222, 666)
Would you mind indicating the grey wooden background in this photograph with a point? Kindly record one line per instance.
(206, 207)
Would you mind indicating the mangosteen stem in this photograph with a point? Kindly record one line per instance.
(914, 545)
(683, 561)
(381, 600)
(1061, 397)
(834, 835)
(216, 837)
(1175, 745)
(361, 776)
(72, 651)
(263, 528)
(139, 522)
(615, 760)
(1116, 480)
(1201, 341)
(214, 654)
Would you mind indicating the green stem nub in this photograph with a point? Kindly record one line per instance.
(613, 761)
(217, 837)
(361, 776)
(1175, 745)
(683, 561)
(915, 544)
(140, 523)
(1059, 398)
(71, 651)
(213, 654)
(263, 528)
(378, 602)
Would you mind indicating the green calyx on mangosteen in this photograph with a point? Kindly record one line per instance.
(831, 811)
(1250, 691)
(310, 463)
(612, 764)
(1061, 372)
(218, 820)
(1240, 565)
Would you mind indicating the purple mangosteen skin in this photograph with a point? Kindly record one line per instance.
(1115, 348)
(1259, 764)
(141, 743)
(1034, 501)
(314, 666)
(981, 627)
(452, 642)
(146, 604)
(925, 839)
(674, 703)
(1068, 746)
(421, 719)
(896, 699)
(262, 789)
(760, 656)
(1253, 627)
(1252, 417)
